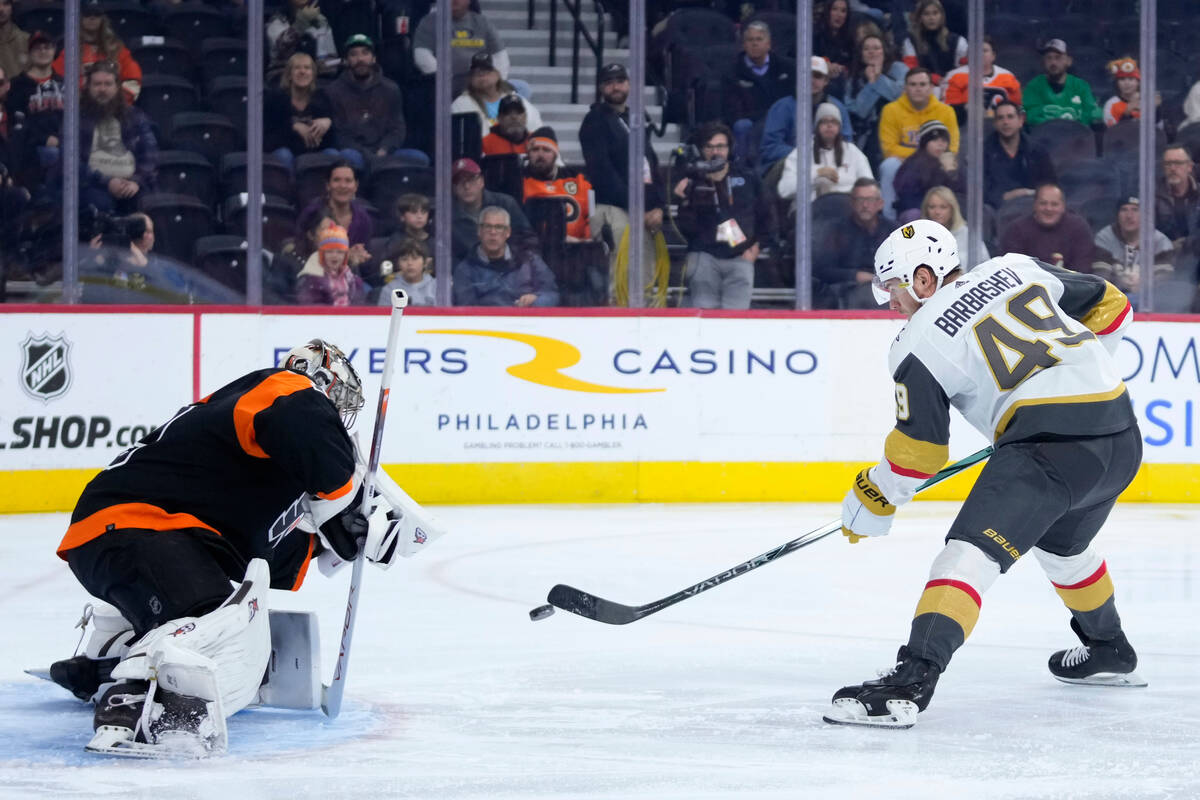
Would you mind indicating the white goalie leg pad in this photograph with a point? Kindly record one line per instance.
(962, 561)
(1068, 570)
(417, 529)
(294, 673)
(236, 638)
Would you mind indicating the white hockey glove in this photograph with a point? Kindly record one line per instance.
(865, 511)
(414, 528)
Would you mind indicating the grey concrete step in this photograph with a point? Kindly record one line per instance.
(540, 37)
(539, 56)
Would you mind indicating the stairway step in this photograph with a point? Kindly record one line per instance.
(541, 38)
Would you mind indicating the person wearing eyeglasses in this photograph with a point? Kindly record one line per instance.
(497, 274)
(724, 216)
(1178, 196)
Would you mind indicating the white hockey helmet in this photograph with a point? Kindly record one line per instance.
(332, 374)
(921, 242)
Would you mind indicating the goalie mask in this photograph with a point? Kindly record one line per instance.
(330, 370)
(921, 242)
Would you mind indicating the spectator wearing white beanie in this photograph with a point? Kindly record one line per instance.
(837, 163)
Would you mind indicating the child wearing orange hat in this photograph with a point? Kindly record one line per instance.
(327, 279)
(1127, 102)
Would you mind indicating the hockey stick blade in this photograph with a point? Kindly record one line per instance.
(589, 606)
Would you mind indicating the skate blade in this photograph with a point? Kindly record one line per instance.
(115, 741)
(44, 674)
(848, 711)
(1127, 680)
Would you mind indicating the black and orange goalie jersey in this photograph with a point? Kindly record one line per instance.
(233, 469)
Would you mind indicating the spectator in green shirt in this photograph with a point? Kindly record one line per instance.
(1056, 94)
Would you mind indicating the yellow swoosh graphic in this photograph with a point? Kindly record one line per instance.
(550, 356)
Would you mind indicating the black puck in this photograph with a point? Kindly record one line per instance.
(541, 612)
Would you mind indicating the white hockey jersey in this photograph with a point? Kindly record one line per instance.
(1019, 348)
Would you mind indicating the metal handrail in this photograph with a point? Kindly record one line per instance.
(595, 44)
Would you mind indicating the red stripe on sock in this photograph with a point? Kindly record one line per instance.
(909, 473)
(963, 587)
(1088, 581)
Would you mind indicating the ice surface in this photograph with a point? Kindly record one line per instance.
(454, 693)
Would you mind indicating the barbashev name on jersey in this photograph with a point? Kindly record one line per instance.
(961, 310)
(549, 422)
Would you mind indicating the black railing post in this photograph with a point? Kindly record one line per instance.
(553, 30)
(574, 53)
(530, 25)
(599, 48)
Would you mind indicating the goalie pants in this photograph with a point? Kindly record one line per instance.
(1050, 495)
(152, 576)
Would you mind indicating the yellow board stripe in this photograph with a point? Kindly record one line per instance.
(1098, 397)
(1087, 598)
(949, 601)
(37, 491)
(1108, 309)
(913, 454)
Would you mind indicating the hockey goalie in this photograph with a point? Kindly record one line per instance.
(183, 535)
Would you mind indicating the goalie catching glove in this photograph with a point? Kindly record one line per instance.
(866, 511)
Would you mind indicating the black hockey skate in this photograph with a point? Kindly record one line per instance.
(891, 701)
(120, 708)
(82, 676)
(1097, 663)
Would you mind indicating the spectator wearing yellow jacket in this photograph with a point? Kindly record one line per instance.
(901, 120)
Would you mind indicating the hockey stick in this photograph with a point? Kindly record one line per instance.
(331, 695)
(568, 598)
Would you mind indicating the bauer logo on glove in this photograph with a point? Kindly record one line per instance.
(866, 511)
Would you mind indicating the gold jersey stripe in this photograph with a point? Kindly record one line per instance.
(1098, 397)
(950, 601)
(1087, 598)
(913, 454)
(1108, 309)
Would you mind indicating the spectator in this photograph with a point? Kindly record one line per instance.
(998, 83)
(510, 134)
(1051, 233)
(101, 43)
(932, 165)
(14, 42)
(844, 251)
(118, 153)
(723, 216)
(941, 206)
(485, 89)
(367, 107)
(900, 123)
(1127, 102)
(493, 274)
(779, 132)
(930, 43)
(1118, 246)
(604, 139)
(295, 22)
(756, 80)
(1012, 162)
(837, 164)
(8, 155)
(833, 37)
(37, 94)
(1191, 106)
(341, 205)
(1178, 195)
(1056, 94)
(470, 33)
(544, 178)
(412, 212)
(875, 80)
(298, 117)
(327, 279)
(470, 198)
(406, 270)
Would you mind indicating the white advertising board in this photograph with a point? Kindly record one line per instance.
(77, 388)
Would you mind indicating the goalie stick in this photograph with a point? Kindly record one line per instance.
(331, 695)
(577, 601)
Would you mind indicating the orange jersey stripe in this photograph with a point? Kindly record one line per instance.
(341, 491)
(303, 571)
(954, 599)
(261, 397)
(124, 516)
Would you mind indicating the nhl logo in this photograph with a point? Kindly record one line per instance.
(45, 368)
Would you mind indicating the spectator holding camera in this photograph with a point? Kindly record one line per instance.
(722, 214)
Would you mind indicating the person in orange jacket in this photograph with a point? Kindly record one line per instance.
(101, 43)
